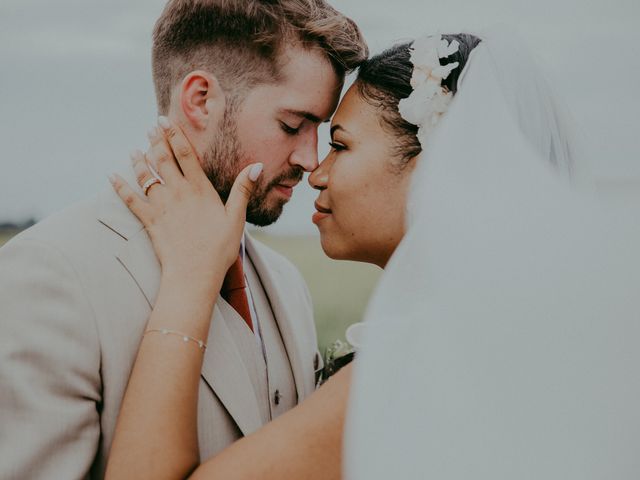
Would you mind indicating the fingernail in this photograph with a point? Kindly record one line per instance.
(152, 134)
(112, 179)
(255, 172)
(136, 154)
(164, 122)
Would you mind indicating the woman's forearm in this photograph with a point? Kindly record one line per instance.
(196, 237)
(156, 433)
(304, 443)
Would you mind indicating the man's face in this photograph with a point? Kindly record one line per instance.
(276, 125)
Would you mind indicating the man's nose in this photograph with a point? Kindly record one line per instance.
(306, 153)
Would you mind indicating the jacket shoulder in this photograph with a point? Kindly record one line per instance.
(57, 228)
(76, 230)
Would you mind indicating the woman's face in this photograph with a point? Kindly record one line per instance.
(361, 205)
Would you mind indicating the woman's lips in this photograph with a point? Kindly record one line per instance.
(322, 213)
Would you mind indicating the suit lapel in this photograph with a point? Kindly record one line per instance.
(223, 369)
(137, 255)
(139, 259)
(284, 314)
(225, 372)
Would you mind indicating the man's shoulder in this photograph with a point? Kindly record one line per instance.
(63, 223)
(72, 230)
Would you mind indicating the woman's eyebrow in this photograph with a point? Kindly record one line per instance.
(336, 127)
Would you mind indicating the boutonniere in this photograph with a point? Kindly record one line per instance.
(342, 353)
(336, 356)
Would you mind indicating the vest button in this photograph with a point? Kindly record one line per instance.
(277, 397)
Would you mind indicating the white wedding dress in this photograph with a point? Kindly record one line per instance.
(503, 341)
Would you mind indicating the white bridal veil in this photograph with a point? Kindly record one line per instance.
(503, 341)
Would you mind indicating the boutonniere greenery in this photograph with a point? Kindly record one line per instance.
(336, 356)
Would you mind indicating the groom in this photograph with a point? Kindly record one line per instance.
(248, 81)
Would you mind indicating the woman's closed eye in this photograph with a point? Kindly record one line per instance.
(337, 147)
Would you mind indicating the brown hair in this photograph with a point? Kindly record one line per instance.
(240, 41)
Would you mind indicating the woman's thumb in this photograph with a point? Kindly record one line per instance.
(242, 190)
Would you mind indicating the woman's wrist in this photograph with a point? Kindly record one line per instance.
(191, 286)
(185, 304)
(194, 277)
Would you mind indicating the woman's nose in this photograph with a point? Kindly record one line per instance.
(319, 178)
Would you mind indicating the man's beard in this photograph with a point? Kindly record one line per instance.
(221, 165)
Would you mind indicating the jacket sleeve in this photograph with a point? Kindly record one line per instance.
(49, 366)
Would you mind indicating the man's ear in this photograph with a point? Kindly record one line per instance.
(202, 100)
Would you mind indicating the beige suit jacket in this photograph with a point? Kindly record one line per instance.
(76, 291)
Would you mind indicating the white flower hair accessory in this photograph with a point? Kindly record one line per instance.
(429, 99)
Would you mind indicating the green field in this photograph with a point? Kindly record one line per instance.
(3, 238)
(340, 290)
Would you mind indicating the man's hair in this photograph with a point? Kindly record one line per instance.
(241, 41)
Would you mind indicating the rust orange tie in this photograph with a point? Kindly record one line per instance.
(233, 291)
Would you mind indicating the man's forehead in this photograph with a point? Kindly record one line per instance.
(311, 94)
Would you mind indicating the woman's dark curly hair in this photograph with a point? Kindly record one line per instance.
(385, 79)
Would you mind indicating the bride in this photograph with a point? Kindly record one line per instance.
(392, 121)
(502, 340)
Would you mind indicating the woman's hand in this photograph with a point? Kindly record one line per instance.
(192, 231)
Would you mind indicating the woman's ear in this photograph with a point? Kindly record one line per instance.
(202, 100)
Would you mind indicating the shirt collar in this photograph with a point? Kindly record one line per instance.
(243, 246)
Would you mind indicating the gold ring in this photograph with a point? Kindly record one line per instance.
(150, 183)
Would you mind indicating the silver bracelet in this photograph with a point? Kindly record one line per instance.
(185, 338)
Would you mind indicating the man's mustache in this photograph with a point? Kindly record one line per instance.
(295, 174)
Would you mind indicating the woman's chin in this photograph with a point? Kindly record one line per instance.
(329, 246)
(336, 250)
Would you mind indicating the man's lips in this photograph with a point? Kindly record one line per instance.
(288, 184)
(286, 189)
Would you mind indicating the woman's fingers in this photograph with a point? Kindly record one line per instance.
(242, 190)
(138, 206)
(144, 176)
(161, 158)
(183, 150)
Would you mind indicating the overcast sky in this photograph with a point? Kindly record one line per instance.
(76, 93)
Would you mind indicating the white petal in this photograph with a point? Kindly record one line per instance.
(425, 51)
(409, 111)
(418, 77)
(446, 49)
(443, 71)
(442, 102)
(425, 58)
(428, 89)
(423, 134)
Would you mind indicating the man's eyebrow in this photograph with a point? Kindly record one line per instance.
(308, 115)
